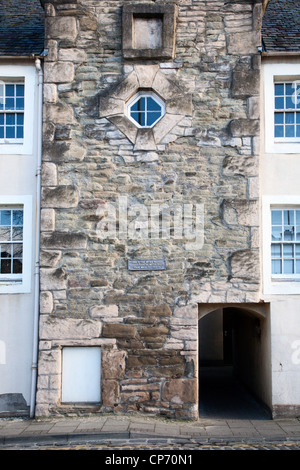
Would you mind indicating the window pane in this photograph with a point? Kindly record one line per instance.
(139, 118)
(279, 131)
(17, 266)
(10, 132)
(288, 217)
(20, 103)
(276, 234)
(10, 119)
(152, 105)
(298, 266)
(18, 250)
(17, 217)
(290, 102)
(279, 89)
(5, 233)
(289, 89)
(288, 251)
(290, 131)
(279, 103)
(9, 103)
(288, 233)
(288, 267)
(20, 132)
(298, 233)
(6, 250)
(10, 90)
(17, 233)
(276, 267)
(20, 90)
(152, 117)
(5, 266)
(5, 217)
(277, 217)
(276, 250)
(279, 118)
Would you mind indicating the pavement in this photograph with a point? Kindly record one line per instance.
(144, 432)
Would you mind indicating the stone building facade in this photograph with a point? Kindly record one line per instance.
(145, 227)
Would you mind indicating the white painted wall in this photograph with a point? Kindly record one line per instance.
(280, 182)
(18, 165)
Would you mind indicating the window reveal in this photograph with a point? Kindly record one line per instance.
(11, 111)
(11, 243)
(285, 246)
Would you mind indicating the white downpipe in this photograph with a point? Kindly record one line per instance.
(37, 242)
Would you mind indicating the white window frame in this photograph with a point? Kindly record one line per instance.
(135, 98)
(276, 73)
(20, 284)
(26, 74)
(276, 283)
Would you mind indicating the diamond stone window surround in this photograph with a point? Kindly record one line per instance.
(178, 105)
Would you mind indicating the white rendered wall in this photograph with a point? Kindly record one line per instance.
(280, 183)
(18, 165)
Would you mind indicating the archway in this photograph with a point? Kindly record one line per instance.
(234, 361)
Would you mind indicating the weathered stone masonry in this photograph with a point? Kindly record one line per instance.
(206, 152)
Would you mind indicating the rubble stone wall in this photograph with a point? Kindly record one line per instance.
(207, 156)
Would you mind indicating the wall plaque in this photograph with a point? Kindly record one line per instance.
(146, 265)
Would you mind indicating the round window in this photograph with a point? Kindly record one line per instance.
(145, 109)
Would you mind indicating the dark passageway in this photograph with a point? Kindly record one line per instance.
(221, 395)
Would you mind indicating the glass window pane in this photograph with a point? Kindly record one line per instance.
(289, 89)
(1, 132)
(279, 103)
(20, 132)
(152, 105)
(17, 266)
(18, 250)
(288, 217)
(288, 266)
(9, 103)
(290, 102)
(5, 233)
(152, 118)
(288, 250)
(10, 119)
(20, 103)
(17, 217)
(289, 118)
(297, 249)
(277, 217)
(276, 266)
(288, 233)
(5, 266)
(279, 131)
(17, 233)
(6, 250)
(298, 233)
(290, 131)
(20, 90)
(5, 217)
(10, 90)
(279, 118)
(139, 118)
(276, 250)
(276, 234)
(10, 132)
(279, 89)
